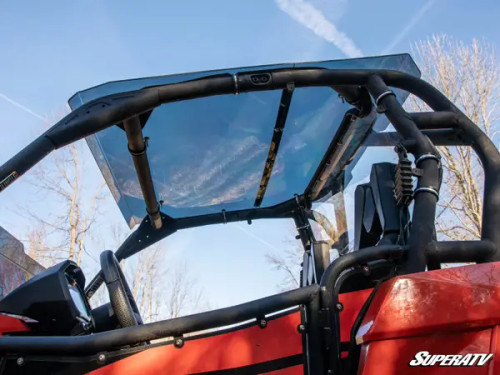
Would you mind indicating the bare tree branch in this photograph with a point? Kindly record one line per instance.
(468, 75)
(164, 293)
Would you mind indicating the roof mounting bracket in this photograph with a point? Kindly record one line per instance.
(143, 118)
(279, 126)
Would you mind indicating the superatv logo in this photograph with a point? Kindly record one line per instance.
(458, 360)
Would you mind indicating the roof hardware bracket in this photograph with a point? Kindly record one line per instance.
(279, 126)
(306, 226)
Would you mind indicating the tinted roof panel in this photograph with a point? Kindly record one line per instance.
(208, 154)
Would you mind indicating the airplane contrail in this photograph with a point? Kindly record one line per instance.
(248, 232)
(312, 18)
(399, 37)
(22, 107)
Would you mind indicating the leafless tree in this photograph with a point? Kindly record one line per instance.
(288, 261)
(184, 294)
(37, 247)
(63, 179)
(164, 293)
(146, 283)
(468, 75)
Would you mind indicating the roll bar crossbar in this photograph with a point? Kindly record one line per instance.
(177, 327)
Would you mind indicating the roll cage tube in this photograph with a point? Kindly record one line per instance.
(427, 158)
(113, 109)
(137, 147)
(177, 327)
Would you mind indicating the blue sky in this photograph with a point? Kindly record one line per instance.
(50, 52)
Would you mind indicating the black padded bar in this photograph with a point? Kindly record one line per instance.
(439, 137)
(137, 147)
(428, 185)
(105, 341)
(461, 251)
(88, 119)
(449, 116)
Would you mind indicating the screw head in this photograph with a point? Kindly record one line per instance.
(262, 323)
(301, 328)
(101, 358)
(339, 306)
(20, 361)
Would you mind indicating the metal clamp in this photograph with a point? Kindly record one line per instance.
(428, 156)
(427, 190)
(236, 88)
(158, 207)
(137, 153)
(383, 95)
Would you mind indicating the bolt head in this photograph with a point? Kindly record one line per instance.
(301, 328)
(262, 323)
(339, 306)
(179, 343)
(20, 361)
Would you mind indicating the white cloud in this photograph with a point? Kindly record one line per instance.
(334, 10)
(312, 18)
(416, 17)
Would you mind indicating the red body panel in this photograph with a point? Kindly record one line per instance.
(393, 356)
(449, 311)
(10, 324)
(436, 301)
(352, 302)
(244, 347)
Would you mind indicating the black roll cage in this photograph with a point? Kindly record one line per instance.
(420, 133)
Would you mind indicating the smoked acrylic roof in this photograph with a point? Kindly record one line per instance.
(208, 154)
